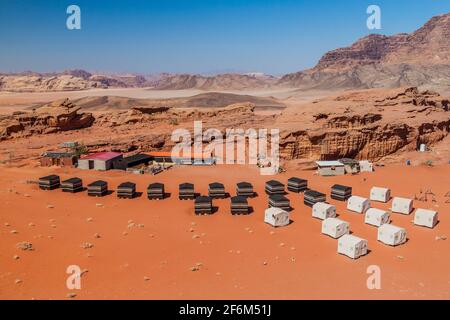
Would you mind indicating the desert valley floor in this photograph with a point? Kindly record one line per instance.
(141, 249)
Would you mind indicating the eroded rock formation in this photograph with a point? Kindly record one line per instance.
(55, 117)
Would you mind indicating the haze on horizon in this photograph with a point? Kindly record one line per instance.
(196, 36)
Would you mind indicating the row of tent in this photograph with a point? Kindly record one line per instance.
(100, 188)
(277, 213)
(355, 247)
(156, 191)
(350, 245)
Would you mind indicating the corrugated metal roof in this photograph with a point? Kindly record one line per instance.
(103, 156)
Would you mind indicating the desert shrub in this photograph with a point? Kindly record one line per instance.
(80, 150)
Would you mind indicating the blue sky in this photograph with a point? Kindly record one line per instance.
(193, 36)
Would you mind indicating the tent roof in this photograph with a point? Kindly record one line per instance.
(329, 164)
(274, 183)
(50, 177)
(341, 187)
(351, 239)
(314, 193)
(127, 185)
(203, 199)
(72, 180)
(155, 185)
(390, 228)
(275, 211)
(244, 185)
(239, 199)
(297, 180)
(98, 183)
(215, 185)
(358, 199)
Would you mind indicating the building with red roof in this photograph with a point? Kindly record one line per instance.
(100, 161)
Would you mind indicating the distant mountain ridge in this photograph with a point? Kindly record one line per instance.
(421, 58)
(228, 81)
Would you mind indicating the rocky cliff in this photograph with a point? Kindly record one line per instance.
(69, 80)
(365, 125)
(421, 58)
(55, 117)
(368, 124)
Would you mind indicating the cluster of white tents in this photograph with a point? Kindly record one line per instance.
(353, 246)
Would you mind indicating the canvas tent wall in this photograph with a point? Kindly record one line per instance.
(366, 166)
(391, 235)
(376, 217)
(402, 205)
(203, 205)
(97, 188)
(335, 228)
(380, 194)
(311, 197)
(340, 192)
(358, 204)
(351, 165)
(72, 185)
(49, 182)
(276, 217)
(297, 185)
(322, 211)
(352, 247)
(426, 218)
(330, 168)
(245, 189)
(239, 205)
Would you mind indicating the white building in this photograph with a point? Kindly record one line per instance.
(322, 211)
(335, 228)
(426, 218)
(276, 217)
(380, 194)
(365, 166)
(376, 217)
(330, 168)
(402, 205)
(358, 204)
(352, 247)
(391, 235)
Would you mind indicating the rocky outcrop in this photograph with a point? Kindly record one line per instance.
(370, 124)
(56, 117)
(219, 82)
(69, 80)
(50, 83)
(365, 125)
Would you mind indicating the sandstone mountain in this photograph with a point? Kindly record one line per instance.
(66, 81)
(368, 124)
(421, 58)
(230, 81)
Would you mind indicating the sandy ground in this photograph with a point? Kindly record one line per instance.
(16, 101)
(238, 257)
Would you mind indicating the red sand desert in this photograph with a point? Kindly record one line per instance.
(145, 249)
